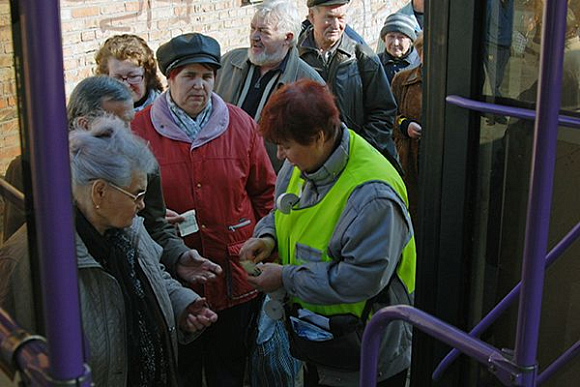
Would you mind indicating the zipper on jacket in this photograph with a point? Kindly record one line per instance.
(243, 222)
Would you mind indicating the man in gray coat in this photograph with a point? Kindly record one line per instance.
(249, 75)
(354, 74)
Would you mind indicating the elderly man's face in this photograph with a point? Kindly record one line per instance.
(397, 44)
(191, 88)
(329, 24)
(268, 45)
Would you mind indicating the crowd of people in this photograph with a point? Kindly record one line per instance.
(242, 224)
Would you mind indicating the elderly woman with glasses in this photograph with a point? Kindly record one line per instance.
(133, 311)
(129, 59)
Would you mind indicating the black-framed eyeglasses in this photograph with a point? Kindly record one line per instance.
(136, 198)
(131, 79)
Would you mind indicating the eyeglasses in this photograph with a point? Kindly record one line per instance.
(136, 198)
(130, 79)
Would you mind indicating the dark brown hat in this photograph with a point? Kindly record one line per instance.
(313, 3)
(187, 49)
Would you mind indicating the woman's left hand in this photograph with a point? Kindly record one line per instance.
(197, 316)
(270, 278)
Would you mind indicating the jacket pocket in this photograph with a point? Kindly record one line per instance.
(236, 283)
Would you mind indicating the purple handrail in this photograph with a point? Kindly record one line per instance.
(473, 347)
(20, 351)
(502, 306)
(560, 362)
(511, 111)
(541, 182)
(43, 74)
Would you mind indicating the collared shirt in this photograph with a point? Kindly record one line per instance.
(259, 85)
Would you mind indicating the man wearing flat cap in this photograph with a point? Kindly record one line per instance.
(398, 35)
(216, 174)
(354, 74)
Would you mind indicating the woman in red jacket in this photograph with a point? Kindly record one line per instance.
(214, 167)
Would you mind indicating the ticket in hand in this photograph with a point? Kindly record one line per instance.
(251, 268)
(189, 225)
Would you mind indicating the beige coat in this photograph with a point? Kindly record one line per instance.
(102, 305)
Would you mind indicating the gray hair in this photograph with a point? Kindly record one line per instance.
(283, 14)
(87, 97)
(109, 151)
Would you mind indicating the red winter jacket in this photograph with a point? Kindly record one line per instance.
(225, 175)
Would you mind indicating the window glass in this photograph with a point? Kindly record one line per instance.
(511, 48)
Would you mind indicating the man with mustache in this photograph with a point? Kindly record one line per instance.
(250, 75)
(354, 74)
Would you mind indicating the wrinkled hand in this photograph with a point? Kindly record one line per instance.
(173, 217)
(197, 316)
(195, 269)
(414, 130)
(257, 249)
(269, 280)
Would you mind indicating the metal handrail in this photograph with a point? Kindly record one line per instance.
(494, 359)
(505, 303)
(526, 114)
(43, 69)
(20, 351)
(12, 194)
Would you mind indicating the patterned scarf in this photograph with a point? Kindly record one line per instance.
(190, 126)
(148, 352)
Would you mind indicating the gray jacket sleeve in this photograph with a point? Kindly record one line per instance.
(366, 247)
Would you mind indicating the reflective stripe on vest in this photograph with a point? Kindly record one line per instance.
(303, 235)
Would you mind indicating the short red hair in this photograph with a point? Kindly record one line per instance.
(299, 111)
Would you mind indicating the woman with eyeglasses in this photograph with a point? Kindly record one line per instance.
(129, 59)
(133, 312)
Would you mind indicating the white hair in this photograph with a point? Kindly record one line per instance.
(283, 15)
(109, 151)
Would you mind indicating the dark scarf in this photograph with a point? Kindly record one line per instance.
(148, 351)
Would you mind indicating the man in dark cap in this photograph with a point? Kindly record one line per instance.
(216, 174)
(354, 74)
(398, 35)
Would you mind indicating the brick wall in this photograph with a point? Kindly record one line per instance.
(87, 23)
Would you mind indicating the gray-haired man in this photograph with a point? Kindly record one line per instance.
(354, 74)
(250, 75)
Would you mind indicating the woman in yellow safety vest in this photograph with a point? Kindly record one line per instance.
(343, 235)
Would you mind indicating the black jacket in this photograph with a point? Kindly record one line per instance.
(356, 77)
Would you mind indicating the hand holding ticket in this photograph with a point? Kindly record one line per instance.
(189, 225)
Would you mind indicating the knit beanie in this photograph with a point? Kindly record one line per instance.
(399, 22)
